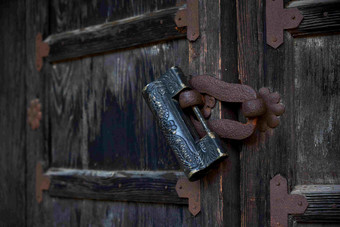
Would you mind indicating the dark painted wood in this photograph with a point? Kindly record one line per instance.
(130, 186)
(126, 33)
(13, 114)
(320, 18)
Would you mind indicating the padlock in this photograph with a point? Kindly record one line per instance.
(195, 155)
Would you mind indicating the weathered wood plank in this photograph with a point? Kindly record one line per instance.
(320, 18)
(130, 186)
(126, 33)
(13, 114)
(71, 15)
(214, 54)
(37, 142)
(323, 203)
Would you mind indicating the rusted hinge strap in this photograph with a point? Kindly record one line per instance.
(190, 190)
(262, 109)
(42, 50)
(42, 182)
(277, 19)
(189, 18)
(282, 203)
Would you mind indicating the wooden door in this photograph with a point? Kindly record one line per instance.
(98, 143)
(305, 147)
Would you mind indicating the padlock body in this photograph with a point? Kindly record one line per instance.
(195, 155)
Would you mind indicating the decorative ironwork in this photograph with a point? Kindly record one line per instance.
(178, 131)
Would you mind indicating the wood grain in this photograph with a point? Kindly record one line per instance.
(126, 33)
(320, 18)
(100, 119)
(68, 16)
(323, 203)
(214, 54)
(13, 114)
(130, 186)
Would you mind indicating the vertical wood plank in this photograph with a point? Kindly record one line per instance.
(13, 113)
(214, 54)
(37, 142)
(255, 156)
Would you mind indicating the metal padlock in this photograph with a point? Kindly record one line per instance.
(195, 155)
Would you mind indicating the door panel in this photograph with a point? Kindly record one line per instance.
(304, 148)
(96, 123)
(98, 116)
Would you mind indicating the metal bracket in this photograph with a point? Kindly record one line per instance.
(189, 18)
(42, 49)
(42, 182)
(282, 203)
(190, 190)
(277, 19)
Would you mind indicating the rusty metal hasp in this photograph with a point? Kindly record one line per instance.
(195, 155)
(277, 19)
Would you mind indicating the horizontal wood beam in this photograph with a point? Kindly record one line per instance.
(130, 32)
(131, 186)
(320, 17)
(323, 203)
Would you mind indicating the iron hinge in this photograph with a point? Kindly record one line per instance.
(277, 19)
(282, 203)
(42, 50)
(190, 190)
(189, 18)
(42, 182)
